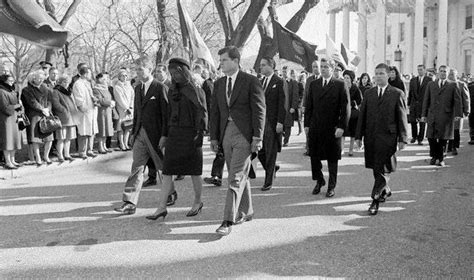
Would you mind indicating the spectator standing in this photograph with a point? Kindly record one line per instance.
(104, 113)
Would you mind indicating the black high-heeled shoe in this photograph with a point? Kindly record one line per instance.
(192, 213)
(157, 216)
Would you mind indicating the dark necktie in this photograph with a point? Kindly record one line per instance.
(229, 87)
(325, 83)
(265, 83)
(380, 93)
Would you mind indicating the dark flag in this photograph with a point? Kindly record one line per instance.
(291, 47)
(28, 20)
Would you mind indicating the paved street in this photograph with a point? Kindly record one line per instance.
(57, 222)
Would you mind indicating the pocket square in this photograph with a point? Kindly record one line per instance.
(153, 97)
(274, 86)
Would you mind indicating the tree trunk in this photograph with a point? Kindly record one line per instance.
(238, 36)
(268, 49)
(165, 47)
(49, 7)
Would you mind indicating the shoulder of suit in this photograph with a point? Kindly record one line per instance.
(338, 81)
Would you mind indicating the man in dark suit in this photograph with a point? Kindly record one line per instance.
(415, 104)
(150, 123)
(382, 123)
(441, 106)
(291, 103)
(326, 117)
(237, 123)
(274, 122)
(453, 145)
(315, 75)
(471, 115)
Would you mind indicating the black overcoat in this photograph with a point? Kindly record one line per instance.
(275, 111)
(327, 109)
(382, 124)
(415, 97)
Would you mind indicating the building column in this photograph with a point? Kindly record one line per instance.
(332, 26)
(408, 59)
(430, 36)
(362, 37)
(442, 48)
(380, 45)
(453, 35)
(345, 26)
(418, 34)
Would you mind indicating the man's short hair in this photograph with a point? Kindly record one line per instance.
(83, 70)
(329, 61)
(232, 51)
(270, 60)
(383, 66)
(444, 66)
(62, 78)
(80, 65)
(145, 62)
(52, 69)
(162, 66)
(421, 65)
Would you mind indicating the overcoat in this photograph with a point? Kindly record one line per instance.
(327, 109)
(86, 115)
(382, 124)
(10, 138)
(415, 97)
(465, 103)
(291, 101)
(104, 112)
(35, 99)
(275, 111)
(63, 105)
(440, 107)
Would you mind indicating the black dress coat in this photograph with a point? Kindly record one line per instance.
(246, 107)
(10, 137)
(292, 96)
(186, 125)
(382, 124)
(35, 99)
(151, 113)
(326, 110)
(415, 97)
(275, 112)
(355, 101)
(440, 107)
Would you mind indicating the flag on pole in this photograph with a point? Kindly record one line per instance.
(28, 20)
(291, 47)
(191, 38)
(349, 57)
(333, 52)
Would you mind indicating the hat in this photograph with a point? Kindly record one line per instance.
(45, 63)
(179, 61)
(350, 73)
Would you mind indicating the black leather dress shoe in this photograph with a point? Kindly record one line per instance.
(214, 180)
(243, 219)
(374, 207)
(413, 140)
(433, 161)
(126, 208)
(319, 185)
(277, 167)
(455, 152)
(149, 182)
(266, 187)
(225, 228)
(330, 193)
(386, 193)
(252, 174)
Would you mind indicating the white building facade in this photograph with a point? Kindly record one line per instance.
(429, 32)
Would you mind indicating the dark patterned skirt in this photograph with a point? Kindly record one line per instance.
(183, 152)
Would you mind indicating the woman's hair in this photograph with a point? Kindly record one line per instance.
(63, 78)
(349, 73)
(83, 70)
(397, 73)
(362, 76)
(34, 75)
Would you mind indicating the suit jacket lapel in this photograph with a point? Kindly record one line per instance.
(270, 85)
(146, 96)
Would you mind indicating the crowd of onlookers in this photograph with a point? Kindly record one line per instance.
(93, 110)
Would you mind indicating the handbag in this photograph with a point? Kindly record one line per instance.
(22, 121)
(49, 124)
(127, 124)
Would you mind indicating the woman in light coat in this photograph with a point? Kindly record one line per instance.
(104, 114)
(86, 116)
(124, 96)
